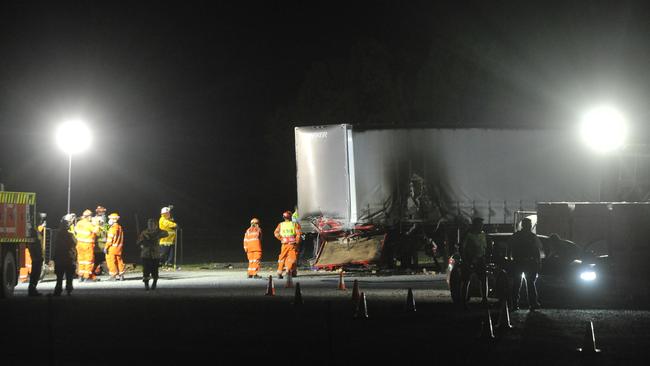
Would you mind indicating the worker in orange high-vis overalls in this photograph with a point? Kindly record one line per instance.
(85, 232)
(253, 248)
(113, 249)
(288, 233)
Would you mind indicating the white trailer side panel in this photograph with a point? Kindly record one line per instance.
(485, 172)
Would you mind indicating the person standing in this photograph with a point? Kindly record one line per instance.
(101, 222)
(65, 255)
(473, 255)
(168, 243)
(288, 233)
(253, 247)
(85, 233)
(524, 250)
(114, 246)
(150, 252)
(35, 256)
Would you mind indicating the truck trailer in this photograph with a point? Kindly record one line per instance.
(384, 184)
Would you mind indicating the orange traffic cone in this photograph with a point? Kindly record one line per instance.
(410, 302)
(504, 317)
(589, 343)
(355, 293)
(362, 308)
(270, 289)
(487, 331)
(341, 281)
(297, 298)
(289, 283)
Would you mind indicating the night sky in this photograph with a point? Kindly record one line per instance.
(194, 103)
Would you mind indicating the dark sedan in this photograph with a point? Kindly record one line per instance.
(565, 264)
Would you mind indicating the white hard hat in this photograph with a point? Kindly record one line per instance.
(164, 210)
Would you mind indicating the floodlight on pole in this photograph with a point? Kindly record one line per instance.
(604, 129)
(73, 137)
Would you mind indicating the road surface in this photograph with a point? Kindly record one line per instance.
(219, 316)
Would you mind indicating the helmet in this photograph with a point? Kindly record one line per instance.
(86, 213)
(101, 209)
(164, 210)
(69, 217)
(255, 221)
(287, 215)
(114, 216)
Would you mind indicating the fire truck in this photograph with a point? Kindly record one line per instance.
(17, 218)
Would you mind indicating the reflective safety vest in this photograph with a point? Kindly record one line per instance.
(170, 227)
(115, 239)
(253, 239)
(85, 232)
(288, 232)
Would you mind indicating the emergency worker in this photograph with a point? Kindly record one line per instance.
(85, 233)
(101, 222)
(150, 252)
(253, 248)
(168, 243)
(34, 259)
(65, 255)
(473, 253)
(288, 233)
(114, 246)
(524, 249)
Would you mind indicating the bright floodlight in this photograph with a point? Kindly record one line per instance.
(604, 129)
(588, 276)
(73, 137)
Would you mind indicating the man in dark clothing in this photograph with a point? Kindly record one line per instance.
(65, 256)
(150, 252)
(474, 249)
(524, 248)
(36, 252)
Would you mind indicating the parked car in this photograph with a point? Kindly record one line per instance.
(564, 263)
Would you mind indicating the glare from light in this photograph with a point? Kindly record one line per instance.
(73, 137)
(588, 276)
(604, 129)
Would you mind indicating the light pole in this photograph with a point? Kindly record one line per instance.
(73, 137)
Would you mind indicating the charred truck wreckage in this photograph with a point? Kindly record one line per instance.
(400, 197)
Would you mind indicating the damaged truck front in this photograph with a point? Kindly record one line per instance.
(387, 196)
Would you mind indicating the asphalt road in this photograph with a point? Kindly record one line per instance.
(218, 316)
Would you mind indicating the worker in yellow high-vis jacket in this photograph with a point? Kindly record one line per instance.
(288, 233)
(167, 244)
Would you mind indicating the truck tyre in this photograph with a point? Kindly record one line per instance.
(8, 275)
(455, 286)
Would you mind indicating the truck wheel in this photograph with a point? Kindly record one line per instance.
(455, 286)
(8, 276)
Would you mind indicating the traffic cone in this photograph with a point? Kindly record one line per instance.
(504, 318)
(355, 293)
(410, 302)
(270, 289)
(341, 281)
(289, 283)
(297, 298)
(487, 331)
(362, 308)
(589, 343)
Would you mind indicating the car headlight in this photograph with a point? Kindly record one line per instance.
(588, 276)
